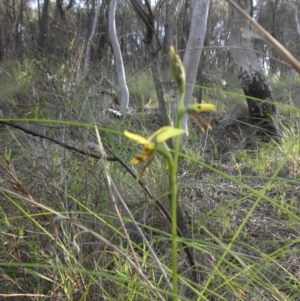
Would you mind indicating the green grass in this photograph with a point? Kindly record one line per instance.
(241, 206)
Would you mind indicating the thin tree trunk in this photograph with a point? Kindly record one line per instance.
(296, 19)
(1, 38)
(59, 5)
(169, 28)
(102, 44)
(89, 43)
(165, 120)
(43, 26)
(118, 57)
(193, 51)
(148, 20)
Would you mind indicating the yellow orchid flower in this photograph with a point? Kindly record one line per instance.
(161, 135)
(200, 107)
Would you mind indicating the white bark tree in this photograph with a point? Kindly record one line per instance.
(193, 50)
(296, 18)
(250, 73)
(118, 57)
(89, 43)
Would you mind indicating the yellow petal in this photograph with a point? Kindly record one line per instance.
(169, 133)
(149, 147)
(137, 159)
(141, 157)
(159, 131)
(137, 138)
(201, 107)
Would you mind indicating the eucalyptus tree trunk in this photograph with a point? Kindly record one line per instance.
(296, 18)
(193, 51)
(250, 74)
(169, 28)
(43, 24)
(1, 39)
(148, 19)
(118, 57)
(89, 43)
(59, 6)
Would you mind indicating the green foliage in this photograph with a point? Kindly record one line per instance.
(141, 90)
(16, 79)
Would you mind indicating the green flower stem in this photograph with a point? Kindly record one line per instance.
(173, 181)
(173, 166)
(174, 191)
(180, 113)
